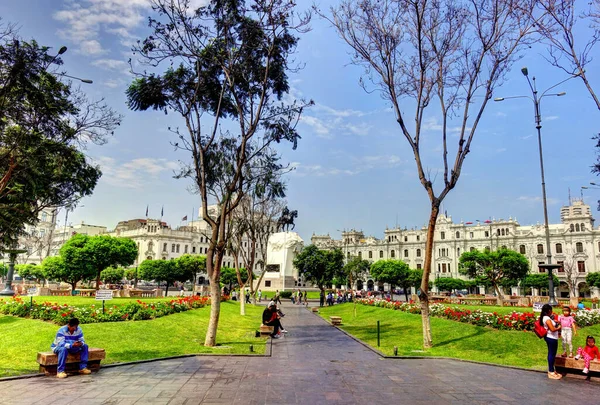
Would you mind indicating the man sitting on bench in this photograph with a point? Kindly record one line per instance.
(69, 339)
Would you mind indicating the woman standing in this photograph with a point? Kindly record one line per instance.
(551, 338)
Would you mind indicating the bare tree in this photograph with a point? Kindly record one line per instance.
(443, 55)
(570, 34)
(571, 272)
(226, 63)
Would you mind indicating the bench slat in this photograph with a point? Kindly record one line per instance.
(51, 359)
(568, 362)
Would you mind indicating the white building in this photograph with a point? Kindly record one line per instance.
(574, 242)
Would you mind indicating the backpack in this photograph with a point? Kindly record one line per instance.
(539, 330)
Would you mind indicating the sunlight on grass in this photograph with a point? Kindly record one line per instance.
(450, 338)
(172, 335)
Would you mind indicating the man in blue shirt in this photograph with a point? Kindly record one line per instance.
(69, 339)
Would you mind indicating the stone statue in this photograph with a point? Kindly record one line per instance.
(287, 219)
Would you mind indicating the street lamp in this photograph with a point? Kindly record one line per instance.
(12, 254)
(538, 125)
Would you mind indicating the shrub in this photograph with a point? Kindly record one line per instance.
(285, 294)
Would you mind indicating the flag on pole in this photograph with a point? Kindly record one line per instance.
(184, 218)
(162, 211)
(146, 211)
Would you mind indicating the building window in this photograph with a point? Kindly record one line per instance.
(406, 239)
(418, 265)
(443, 267)
(471, 235)
(405, 252)
(472, 249)
(540, 248)
(579, 247)
(457, 235)
(443, 235)
(503, 246)
(541, 269)
(418, 252)
(370, 254)
(572, 227)
(418, 238)
(164, 247)
(581, 266)
(360, 255)
(561, 269)
(498, 232)
(193, 249)
(439, 268)
(487, 248)
(522, 249)
(457, 251)
(185, 249)
(173, 248)
(267, 283)
(393, 253)
(558, 248)
(381, 254)
(487, 234)
(582, 227)
(178, 248)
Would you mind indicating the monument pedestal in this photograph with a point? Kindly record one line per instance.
(282, 248)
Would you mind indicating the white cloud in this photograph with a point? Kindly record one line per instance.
(321, 129)
(111, 64)
(537, 199)
(432, 124)
(359, 165)
(136, 173)
(551, 118)
(91, 47)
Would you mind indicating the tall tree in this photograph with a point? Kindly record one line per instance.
(44, 122)
(356, 269)
(571, 271)
(319, 267)
(449, 284)
(164, 270)
(495, 267)
(442, 57)
(392, 272)
(103, 251)
(112, 275)
(192, 264)
(71, 270)
(227, 60)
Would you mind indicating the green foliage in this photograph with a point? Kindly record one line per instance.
(286, 294)
(355, 269)
(192, 264)
(43, 124)
(229, 277)
(414, 278)
(69, 270)
(319, 267)
(30, 271)
(131, 273)
(103, 251)
(393, 272)
(539, 281)
(163, 270)
(3, 270)
(449, 284)
(593, 279)
(497, 267)
(112, 275)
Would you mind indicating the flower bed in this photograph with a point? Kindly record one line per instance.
(515, 321)
(134, 311)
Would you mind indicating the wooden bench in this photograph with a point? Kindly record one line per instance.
(266, 330)
(315, 309)
(569, 365)
(48, 361)
(335, 320)
(60, 293)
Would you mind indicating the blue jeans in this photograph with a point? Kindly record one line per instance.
(552, 349)
(63, 352)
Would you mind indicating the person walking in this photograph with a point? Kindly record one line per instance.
(551, 338)
(259, 295)
(322, 298)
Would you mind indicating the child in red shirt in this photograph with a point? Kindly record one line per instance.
(590, 352)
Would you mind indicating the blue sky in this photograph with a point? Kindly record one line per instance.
(354, 170)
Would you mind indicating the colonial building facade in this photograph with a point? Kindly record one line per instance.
(574, 242)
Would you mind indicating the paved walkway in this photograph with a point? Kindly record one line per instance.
(315, 364)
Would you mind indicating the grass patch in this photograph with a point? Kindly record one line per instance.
(89, 301)
(450, 338)
(172, 335)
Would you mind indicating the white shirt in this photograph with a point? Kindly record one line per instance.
(550, 334)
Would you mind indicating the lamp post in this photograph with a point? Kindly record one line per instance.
(538, 125)
(12, 254)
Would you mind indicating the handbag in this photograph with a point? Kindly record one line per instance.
(539, 330)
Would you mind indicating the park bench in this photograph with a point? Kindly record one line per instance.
(569, 365)
(511, 302)
(335, 320)
(48, 361)
(266, 330)
(60, 293)
(315, 309)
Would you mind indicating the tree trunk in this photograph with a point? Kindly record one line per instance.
(405, 294)
(167, 289)
(215, 307)
(242, 300)
(73, 286)
(424, 295)
(98, 280)
(499, 297)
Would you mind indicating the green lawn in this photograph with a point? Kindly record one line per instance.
(172, 335)
(450, 338)
(89, 301)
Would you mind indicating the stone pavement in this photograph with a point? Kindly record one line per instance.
(315, 364)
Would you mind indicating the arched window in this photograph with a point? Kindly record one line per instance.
(498, 232)
(540, 248)
(150, 246)
(522, 249)
(572, 228)
(418, 252)
(457, 251)
(173, 248)
(178, 248)
(576, 227)
(503, 246)
(582, 227)
(503, 232)
(559, 248)
(164, 247)
(405, 252)
(442, 235)
(579, 247)
(360, 255)
(381, 254)
(471, 249)
(406, 239)
(507, 233)
(457, 235)
(392, 253)
(370, 254)
(418, 238)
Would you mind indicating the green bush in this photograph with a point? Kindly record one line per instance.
(285, 294)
